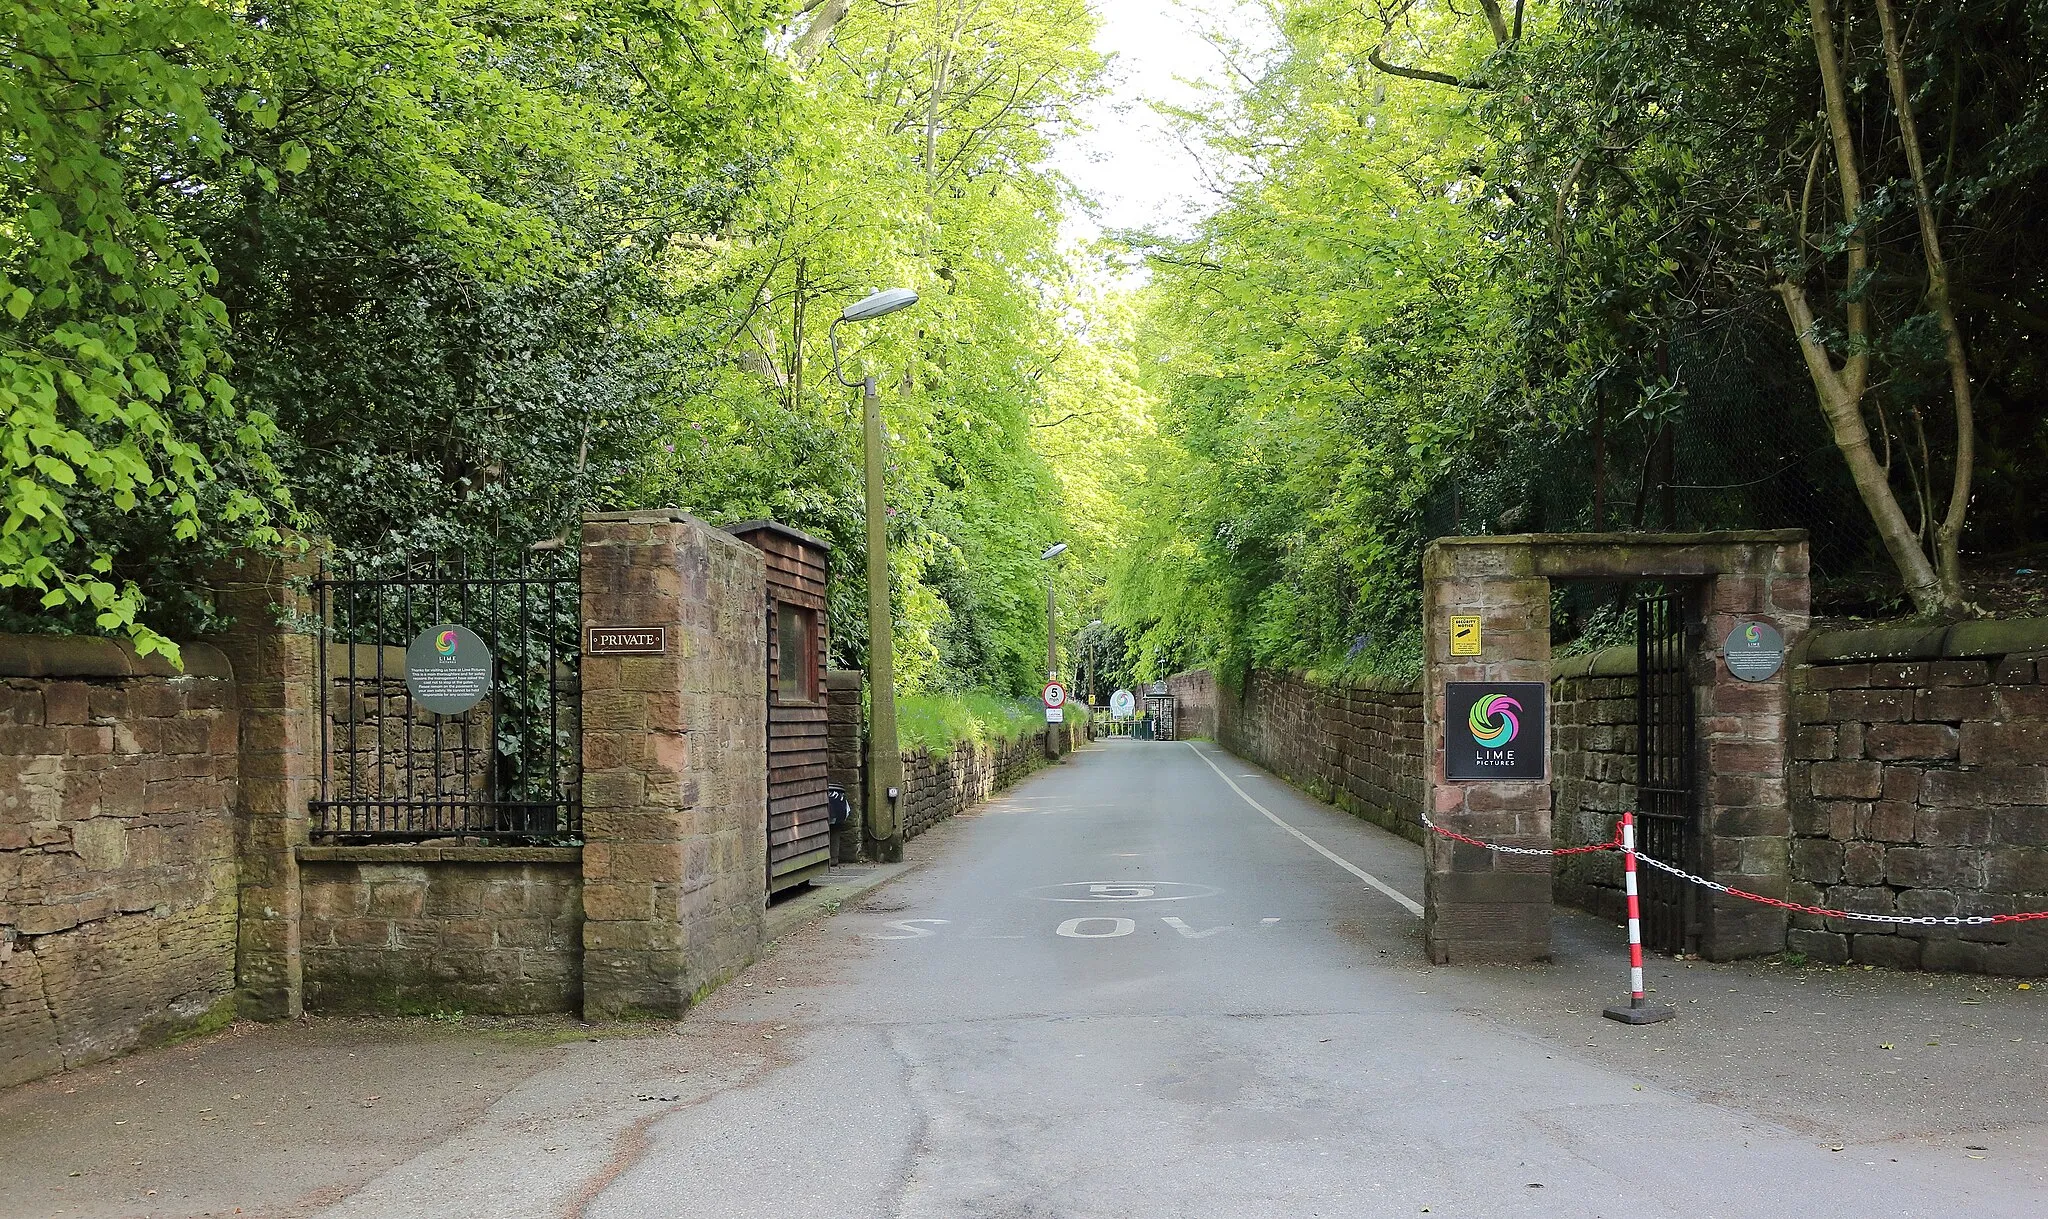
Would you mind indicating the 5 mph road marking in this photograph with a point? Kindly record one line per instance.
(1412, 906)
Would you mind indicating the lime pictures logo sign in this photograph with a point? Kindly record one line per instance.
(447, 669)
(1496, 730)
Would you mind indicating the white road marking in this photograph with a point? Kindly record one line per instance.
(1118, 926)
(1122, 891)
(1268, 922)
(1188, 932)
(909, 925)
(1410, 903)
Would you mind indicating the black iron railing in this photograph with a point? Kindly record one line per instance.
(1666, 807)
(509, 768)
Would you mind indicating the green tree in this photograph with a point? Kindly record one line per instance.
(917, 138)
(120, 420)
(466, 309)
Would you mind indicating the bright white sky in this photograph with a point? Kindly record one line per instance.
(1129, 162)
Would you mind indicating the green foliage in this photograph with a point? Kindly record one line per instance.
(488, 266)
(1674, 167)
(914, 156)
(1527, 282)
(465, 309)
(938, 722)
(1328, 337)
(118, 415)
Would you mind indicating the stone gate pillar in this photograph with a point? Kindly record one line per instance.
(1485, 906)
(1742, 731)
(675, 751)
(1479, 905)
(266, 594)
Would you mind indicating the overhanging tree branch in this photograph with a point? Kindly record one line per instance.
(1439, 78)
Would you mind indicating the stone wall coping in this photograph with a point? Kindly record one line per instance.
(1936, 641)
(985, 750)
(1724, 537)
(644, 516)
(843, 679)
(712, 534)
(1616, 556)
(1617, 661)
(1960, 641)
(98, 656)
(1381, 685)
(426, 853)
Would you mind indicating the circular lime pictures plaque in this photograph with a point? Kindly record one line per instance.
(447, 669)
(1755, 651)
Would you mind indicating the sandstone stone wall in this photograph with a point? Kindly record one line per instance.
(936, 787)
(1918, 781)
(1593, 773)
(422, 929)
(117, 849)
(675, 775)
(1360, 747)
(1919, 786)
(1194, 695)
(1357, 745)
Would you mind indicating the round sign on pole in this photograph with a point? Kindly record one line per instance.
(1055, 695)
(1123, 704)
(1755, 651)
(447, 669)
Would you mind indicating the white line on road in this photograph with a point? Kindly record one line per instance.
(1410, 903)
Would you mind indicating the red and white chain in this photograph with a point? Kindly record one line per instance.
(1902, 920)
(1613, 844)
(1899, 920)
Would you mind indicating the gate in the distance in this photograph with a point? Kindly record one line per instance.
(1667, 814)
(509, 769)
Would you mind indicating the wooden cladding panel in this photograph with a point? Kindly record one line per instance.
(799, 772)
(799, 821)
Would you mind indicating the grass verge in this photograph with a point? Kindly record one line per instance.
(938, 722)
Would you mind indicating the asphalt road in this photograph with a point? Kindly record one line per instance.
(1126, 990)
(1119, 989)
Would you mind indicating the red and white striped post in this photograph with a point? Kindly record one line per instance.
(1638, 1011)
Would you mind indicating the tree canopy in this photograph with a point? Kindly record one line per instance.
(426, 276)
(434, 276)
(1743, 263)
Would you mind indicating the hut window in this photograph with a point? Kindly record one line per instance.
(796, 632)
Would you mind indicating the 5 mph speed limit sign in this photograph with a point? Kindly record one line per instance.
(1055, 698)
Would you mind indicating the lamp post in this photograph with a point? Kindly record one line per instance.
(1052, 639)
(885, 756)
(1088, 658)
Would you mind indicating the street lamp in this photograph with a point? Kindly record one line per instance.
(885, 756)
(1052, 645)
(1088, 659)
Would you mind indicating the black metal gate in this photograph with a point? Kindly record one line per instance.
(1667, 818)
(510, 768)
(1163, 710)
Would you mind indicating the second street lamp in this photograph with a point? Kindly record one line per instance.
(885, 757)
(1052, 646)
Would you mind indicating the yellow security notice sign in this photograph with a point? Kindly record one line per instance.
(1464, 634)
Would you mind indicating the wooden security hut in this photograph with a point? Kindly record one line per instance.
(799, 822)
